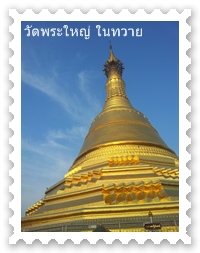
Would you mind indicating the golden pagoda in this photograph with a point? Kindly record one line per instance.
(125, 177)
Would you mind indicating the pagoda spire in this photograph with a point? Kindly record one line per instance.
(113, 69)
(113, 62)
(112, 57)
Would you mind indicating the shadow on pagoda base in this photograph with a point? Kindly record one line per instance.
(118, 218)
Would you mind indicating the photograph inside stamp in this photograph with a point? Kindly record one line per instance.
(100, 126)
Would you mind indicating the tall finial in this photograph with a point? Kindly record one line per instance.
(111, 62)
(110, 44)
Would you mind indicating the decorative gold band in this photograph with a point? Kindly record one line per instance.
(122, 149)
(120, 122)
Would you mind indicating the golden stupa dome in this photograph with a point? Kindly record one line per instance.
(119, 123)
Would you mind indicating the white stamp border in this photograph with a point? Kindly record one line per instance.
(184, 125)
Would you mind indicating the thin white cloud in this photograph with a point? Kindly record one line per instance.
(48, 158)
(72, 103)
(85, 80)
(77, 132)
(46, 148)
(58, 149)
(33, 147)
(43, 165)
(49, 87)
(80, 56)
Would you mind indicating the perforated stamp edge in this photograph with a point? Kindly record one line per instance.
(15, 124)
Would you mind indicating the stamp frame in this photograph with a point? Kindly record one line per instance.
(15, 109)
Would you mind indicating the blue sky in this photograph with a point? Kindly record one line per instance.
(63, 89)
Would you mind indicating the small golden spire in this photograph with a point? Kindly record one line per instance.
(112, 57)
(113, 61)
